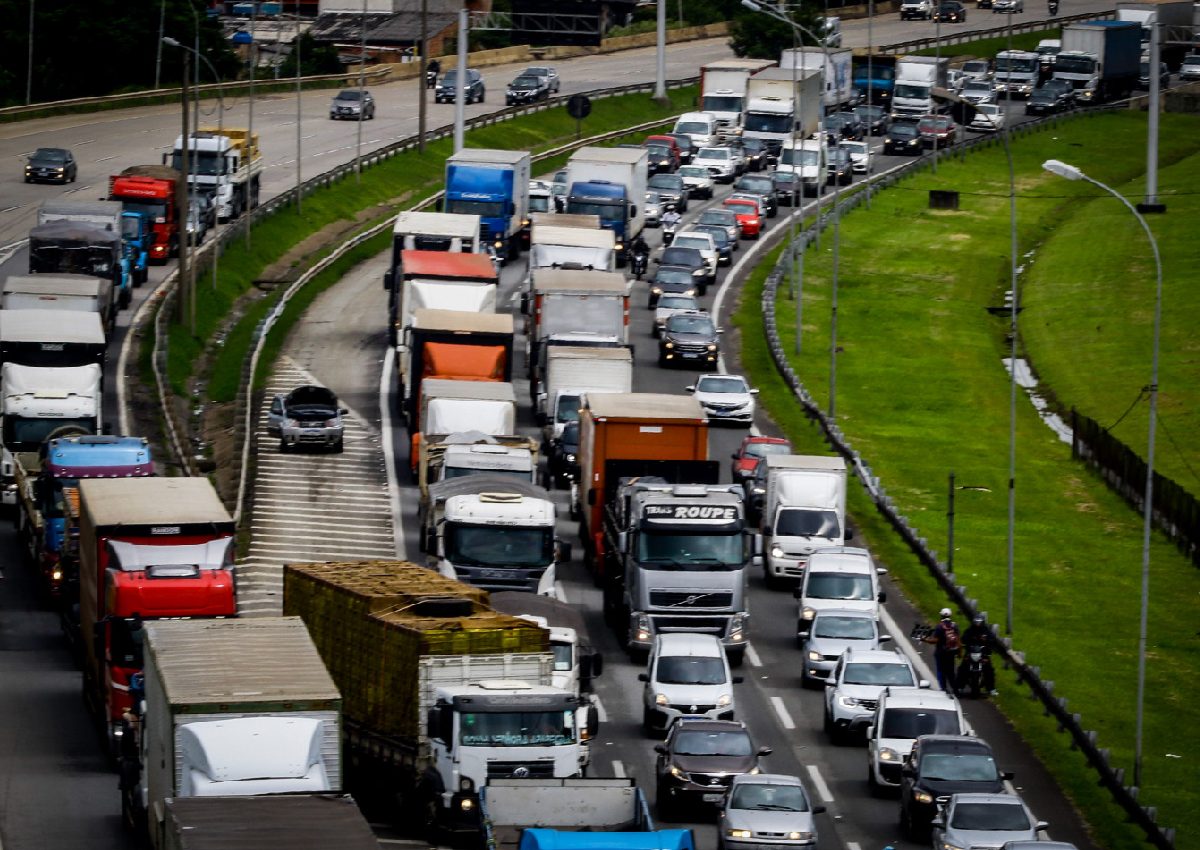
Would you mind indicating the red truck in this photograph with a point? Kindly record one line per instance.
(152, 190)
(149, 548)
(633, 434)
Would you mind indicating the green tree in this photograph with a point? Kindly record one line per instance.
(314, 59)
(759, 36)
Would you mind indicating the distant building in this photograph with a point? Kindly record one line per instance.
(393, 27)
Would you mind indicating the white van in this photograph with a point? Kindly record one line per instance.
(901, 716)
(700, 127)
(687, 676)
(838, 577)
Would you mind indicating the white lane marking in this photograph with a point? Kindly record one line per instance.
(389, 465)
(782, 712)
(818, 782)
(901, 642)
(752, 656)
(618, 770)
(853, 845)
(601, 712)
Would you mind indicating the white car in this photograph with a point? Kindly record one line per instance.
(668, 305)
(686, 675)
(767, 811)
(720, 162)
(902, 716)
(722, 217)
(698, 180)
(832, 632)
(1190, 69)
(978, 91)
(860, 156)
(989, 118)
(984, 820)
(838, 577)
(1008, 6)
(702, 242)
(853, 689)
(726, 397)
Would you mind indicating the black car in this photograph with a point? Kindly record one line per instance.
(950, 12)
(875, 119)
(939, 766)
(720, 235)
(563, 465)
(839, 166)
(697, 762)
(687, 148)
(755, 152)
(762, 185)
(447, 85)
(1048, 100)
(660, 159)
(672, 188)
(690, 258)
(526, 89)
(788, 188)
(51, 165)
(1164, 75)
(689, 338)
(352, 104)
(902, 138)
(674, 280)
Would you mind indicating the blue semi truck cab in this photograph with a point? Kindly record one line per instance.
(136, 237)
(494, 185)
(874, 77)
(610, 183)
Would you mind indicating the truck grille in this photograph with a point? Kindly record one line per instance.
(689, 599)
(520, 769)
(700, 625)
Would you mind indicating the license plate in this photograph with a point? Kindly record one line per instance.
(713, 798)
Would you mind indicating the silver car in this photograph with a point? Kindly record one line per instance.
(984, 820)
(652, 211)
(833, 631)
(307, 416)
(768, 810)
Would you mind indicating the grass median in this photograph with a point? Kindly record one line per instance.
(921, 392)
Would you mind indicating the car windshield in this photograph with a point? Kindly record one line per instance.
(933, 124)
(977, 86)
(526, 83)
(675, 256)
(567, 409)
(840, 627)
(690, 325)
(801, 522)
(685, 670)
(902, 130)
(693, 171)
(676, 302)
(673, 276)
(538, 72)
(720, 235)
(912, 723)
(697, 743)
(838, 586)
(772, 798)
(877, 673)
(721, 154)
(50, 155)
(987, 110)
(764, 449)
(721, 385)
(962, 767)
(350, 95)
(693, 242)
(517, 728)
(666, 181)
(990, 816)
(658, 151)
(1042, 94)
(718, 217)
(855, 148)
(699, 128)
(755, 184)
(975, 67)
(869, 113)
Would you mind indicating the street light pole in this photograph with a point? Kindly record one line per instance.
(162, 20)
(660, 54)
(1070, 172)
(299, 105)
(460, 94)
(29, 61)
(362, 89)
(421, 72)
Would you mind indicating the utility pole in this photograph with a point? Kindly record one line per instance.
(421, 72)
(186, 304)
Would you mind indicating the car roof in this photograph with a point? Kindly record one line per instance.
(900, 697)
(710, 376)
(857, 614)
(952, 744)
(767, 779)
(841, 559)
(990, 799)
(701, 646)
(703, 724)
(875, 656)
(763, 438)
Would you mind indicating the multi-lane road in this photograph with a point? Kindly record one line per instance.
(56, 790)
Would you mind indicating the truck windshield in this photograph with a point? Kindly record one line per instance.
(799, 156)
(125, 643)
(95, 261)
(913, 90)
(449, 472)
(767, 122)
(721, 103)
(27, 435)
(614, 211)
(1073, 64)
(688, 128)
(568, 409)
(153, 209)
(838, 586)
(483, 209)
(499, 546)
(517, 728)
(1011, 65)
(672, 550)
(539, 203)
(877, 72)
(802, 522)
(206, 163)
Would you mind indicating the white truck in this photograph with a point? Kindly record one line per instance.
(430, 231)
(555, 247)
(61, 292)
(230, 708)
(573, 372)
(916, 78)
(781, 105)
(610, 183)
(454, 407)
(1016, 73)
(806, 158)
(569, 307)
(805, 510)
(834, 66)
(224, 164)
(723, 90)
(39, 400)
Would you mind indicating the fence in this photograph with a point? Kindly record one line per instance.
(916, 44)
(1085, 740)
(1176, 511)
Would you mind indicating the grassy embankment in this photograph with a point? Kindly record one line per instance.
(921, 392)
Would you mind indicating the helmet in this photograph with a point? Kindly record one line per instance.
(979, 619)
(945, 613)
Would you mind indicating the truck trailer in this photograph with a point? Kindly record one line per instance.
(430, 231)
(61, 292)
(782, 105)
(834, 67)
(805, 509)
(439, 280)
(297, 822)
(1100, 59)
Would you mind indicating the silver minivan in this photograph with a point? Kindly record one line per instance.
(687, 676)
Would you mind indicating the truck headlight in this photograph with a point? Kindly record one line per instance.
(570, 458)
(712, 348)
(776, 552)
(661, 699)
(466, 804)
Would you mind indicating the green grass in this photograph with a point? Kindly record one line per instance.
(991, 46)
(409, 176)
(921, 392)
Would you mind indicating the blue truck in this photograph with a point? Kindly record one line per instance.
(136, 238)
(494, 185)
(610, 183)
(874, 77)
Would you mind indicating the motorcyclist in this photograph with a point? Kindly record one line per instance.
(432, 68)
(978, 634)
(670, 219)
(1053, 7)
(641, 255)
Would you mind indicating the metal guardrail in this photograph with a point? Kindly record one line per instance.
(992, 32)
(1085, 740)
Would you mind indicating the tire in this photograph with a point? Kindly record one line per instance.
(283, 447)
(339, 446)
(648, 723)
(737, 658)
(664, 804)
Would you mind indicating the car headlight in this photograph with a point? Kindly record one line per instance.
(657, 290)
(712, 347)
(292, 423)
(699, 273)
(776, 552)
(668, 344)
(738, 833)
(800, 836)
(466, 804)
(848, 702)
(331, 423)
(922, 796)
(661, 699)
(678, 774)
(946, 845)
(888, 754)
(814, 656)
(570, 458)
(808, 613)
(724, 700)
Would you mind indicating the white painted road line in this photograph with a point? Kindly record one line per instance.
(601, 713)
(818, 782)
(752, 656)
(901, 641)
(618, 770)
(853, 845)
(389, 456)
(781, 710)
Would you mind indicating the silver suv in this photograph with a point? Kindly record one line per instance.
(853, 688)
(307, 416)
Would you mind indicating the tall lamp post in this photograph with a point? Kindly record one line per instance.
(1070, 172)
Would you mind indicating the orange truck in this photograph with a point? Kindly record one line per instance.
(625, 435)
(453, 345)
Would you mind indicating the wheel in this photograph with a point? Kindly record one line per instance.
(827, 725)
(737, 658)
(648, 723)
(339, 446)
(430, 816)
(666, 806)
(283, 447)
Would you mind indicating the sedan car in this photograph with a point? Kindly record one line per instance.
(937, 131)
(876, 119)
(447, 87)
(562, 465)
(672, 189)
(526, 89)
(719, 161)
(1008, 6)
(761, 185)
(352, 104)
(688, 258)
(1164, 75)
(978, 91)
(689, 338)
(860, 156)
(672, 280)
(668, 305)
(307, 416)
(902, 138)
(725, 218)
(697, 179)
(725, 397)
(660, 159)
(839, 166)
(767, 810)
(698, 761)
(988, 118)
(833, 631)
(1048, 100)
(51, 165)
(653, 209)
(749, 216)
(1190, 69)
(984, 820)
(940, 766)
(753, 449)
(548, 74)
(950, 12)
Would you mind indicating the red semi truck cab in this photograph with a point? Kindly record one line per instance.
(149, 548)
(152, 189)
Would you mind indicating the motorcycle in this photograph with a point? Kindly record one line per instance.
(668, 230)
(1053, 7)
(430, 79)
(640, 260)
(973, 673)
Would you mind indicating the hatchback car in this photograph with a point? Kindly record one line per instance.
(860, 156)
(937, 131)
(660, 159)
(653, 209)
(902, 138)
(761, 185)
(698, 761)
(725, 398)
(307, 416)
(526, 89)
(767, 810)
(722, 218)
(1047, 100)
(668, 305)
(672, 189)
(697, 179)
(984, 820)
(749, 216)
(988, 118)
(751, 451)
(950, 12)
(978, 91)
(1190, 69)
(673, 280)
(902, 716)
(838, 577)
(51, 165)
(788, 188)
(352, 104)
(548, 74)
(474, 89)
(689, 338)
(875, 119)
(853, 688)
(703, 243)
(939, 766)
(833, 631)
(719, 161)
(720, 237)
(687, 675)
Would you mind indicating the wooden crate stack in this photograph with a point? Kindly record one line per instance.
(366, 620)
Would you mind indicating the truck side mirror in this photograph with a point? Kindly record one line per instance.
(593, 724)
(849, 534)
(883, 596)
(564, 552)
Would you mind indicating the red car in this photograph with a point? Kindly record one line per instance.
(749, 218)
(937, 130)
(754, 449)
